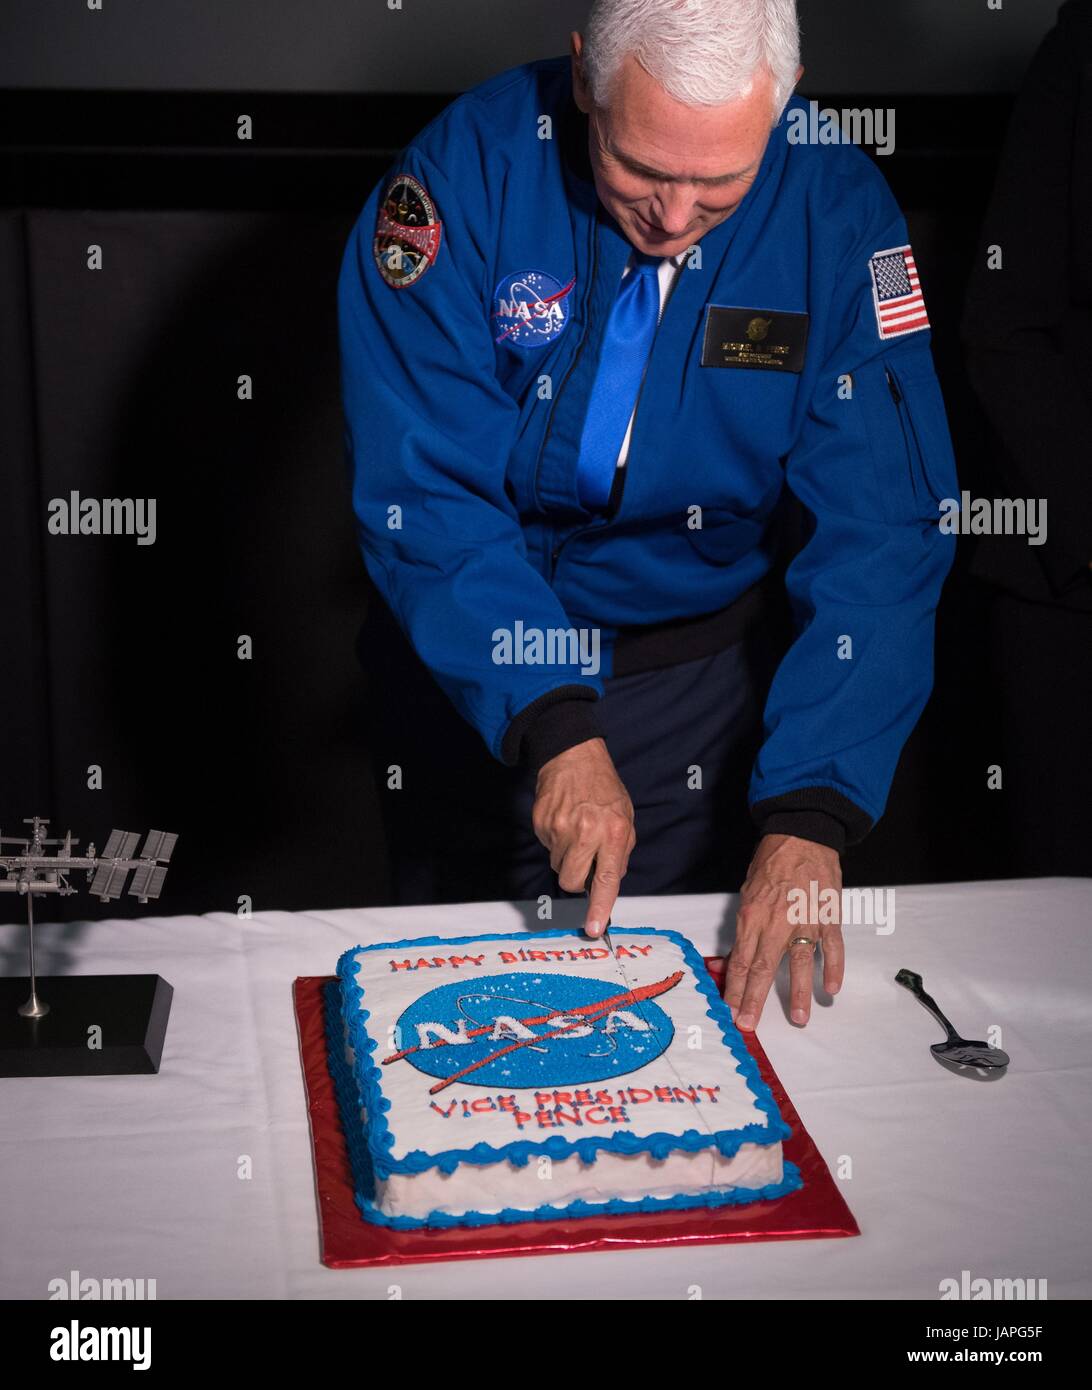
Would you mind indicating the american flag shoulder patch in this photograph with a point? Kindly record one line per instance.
(896, 292)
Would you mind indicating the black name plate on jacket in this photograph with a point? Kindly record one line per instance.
(764, 339)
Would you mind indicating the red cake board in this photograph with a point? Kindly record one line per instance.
(348, 1241)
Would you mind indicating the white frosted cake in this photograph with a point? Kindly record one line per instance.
(529, 1076)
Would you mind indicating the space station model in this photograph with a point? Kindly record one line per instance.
(39, 867)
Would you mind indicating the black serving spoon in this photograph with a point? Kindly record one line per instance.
(955, 1049)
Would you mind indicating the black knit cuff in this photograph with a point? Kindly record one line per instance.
(558, 720)
(819, 814)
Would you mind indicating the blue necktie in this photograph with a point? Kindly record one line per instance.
(626, 343)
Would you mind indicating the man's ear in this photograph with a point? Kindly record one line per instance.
(799, 75)
(580, 87)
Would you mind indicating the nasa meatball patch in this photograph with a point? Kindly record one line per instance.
(407, 232)
(896, 293)
(530, 308)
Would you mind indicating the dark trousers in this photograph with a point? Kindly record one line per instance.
(683, 738)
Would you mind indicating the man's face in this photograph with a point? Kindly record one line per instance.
(668, 173)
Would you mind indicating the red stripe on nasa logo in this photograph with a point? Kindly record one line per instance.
(530, 309)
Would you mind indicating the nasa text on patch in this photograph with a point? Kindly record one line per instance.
(530, 308)
(764, 339)
(896, 293)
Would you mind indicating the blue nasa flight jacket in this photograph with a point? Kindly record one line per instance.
(468, 355)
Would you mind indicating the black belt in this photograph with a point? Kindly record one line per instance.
(670, 643)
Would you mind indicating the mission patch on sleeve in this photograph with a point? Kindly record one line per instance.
(407, 232)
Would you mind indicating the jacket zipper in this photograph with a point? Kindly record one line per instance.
(565, 379)
(555, 553)
(556, 550)
(908, 432)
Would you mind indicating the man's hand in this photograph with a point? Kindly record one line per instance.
(763, 929)
(582, 813)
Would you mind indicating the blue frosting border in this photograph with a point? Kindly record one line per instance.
(380, 1136)
(364, 1175)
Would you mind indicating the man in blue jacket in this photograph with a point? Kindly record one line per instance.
(601, 313)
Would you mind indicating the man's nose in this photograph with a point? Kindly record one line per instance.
(675, 207)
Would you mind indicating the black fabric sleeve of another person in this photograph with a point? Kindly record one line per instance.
(1027, 327)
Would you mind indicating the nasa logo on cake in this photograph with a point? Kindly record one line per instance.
(407, 232)
(524, 1030)
(530, 308)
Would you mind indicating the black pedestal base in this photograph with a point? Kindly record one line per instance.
(97, 1025)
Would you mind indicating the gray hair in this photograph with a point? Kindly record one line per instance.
(702, 52)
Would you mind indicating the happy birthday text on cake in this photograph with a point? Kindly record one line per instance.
(514, 957)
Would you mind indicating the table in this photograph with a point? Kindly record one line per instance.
(201, 1177)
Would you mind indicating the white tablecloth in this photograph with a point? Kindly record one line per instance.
(139, 1176)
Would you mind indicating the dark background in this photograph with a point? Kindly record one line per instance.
(221, 259)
